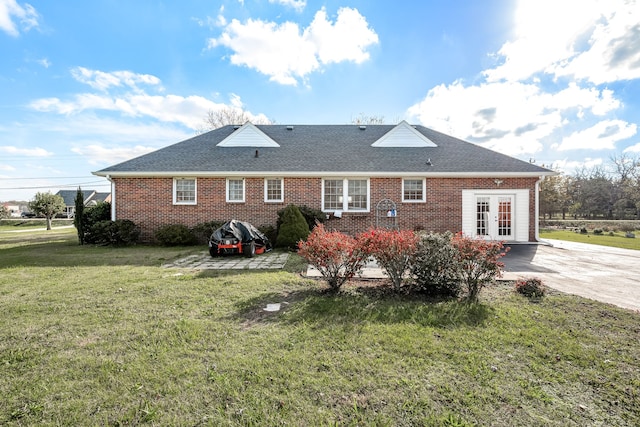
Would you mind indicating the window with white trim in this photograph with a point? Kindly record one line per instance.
(235, 190)
(345, 194)
(184, 191)
(273, 190)
(413, 190)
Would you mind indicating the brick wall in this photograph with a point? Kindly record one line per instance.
(149, 203)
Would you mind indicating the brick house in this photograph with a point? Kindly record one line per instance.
(403, 176)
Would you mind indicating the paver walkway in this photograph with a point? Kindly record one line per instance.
(204, 261)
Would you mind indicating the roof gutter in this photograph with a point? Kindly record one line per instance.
(315, 174)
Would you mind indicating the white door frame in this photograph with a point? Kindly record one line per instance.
(513, 227)
(495, 216)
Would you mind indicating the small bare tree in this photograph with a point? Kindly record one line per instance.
(231, 116)
(364, 119)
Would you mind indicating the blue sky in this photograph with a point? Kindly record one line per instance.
(84, 85)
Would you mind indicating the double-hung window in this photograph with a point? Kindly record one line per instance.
(184, 191)
(273, 190)
(345, 194)
(235, 190)
(413, 190)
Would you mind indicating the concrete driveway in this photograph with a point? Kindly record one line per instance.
(610, 275)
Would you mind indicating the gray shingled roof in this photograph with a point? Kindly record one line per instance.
(325, 149)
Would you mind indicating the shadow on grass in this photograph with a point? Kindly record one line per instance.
(323, 308)
(63, 251)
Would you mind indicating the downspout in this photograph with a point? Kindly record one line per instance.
(113, 198)
(537, 209)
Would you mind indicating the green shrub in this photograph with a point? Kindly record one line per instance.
(531, 288)
(117, 233)
(432, 267)
(597, 231)
(311, 216)
(611, 233)
(269, 231)
(203, 231)
(175, 235)
(583, 230)
(97, 213)
(293, 229)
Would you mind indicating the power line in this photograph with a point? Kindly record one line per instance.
(100, 184)
(47, 177)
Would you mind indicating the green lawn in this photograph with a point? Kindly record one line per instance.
(618, 240)
(104, 336)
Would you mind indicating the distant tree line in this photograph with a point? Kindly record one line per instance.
(610, 191)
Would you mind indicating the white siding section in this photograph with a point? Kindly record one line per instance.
(469, 213)
(522, 215)
(248, 136)
(403, 135)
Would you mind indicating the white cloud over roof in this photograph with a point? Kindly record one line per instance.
(286, 53)
(122, 92)
(549, 85)
(603, 135)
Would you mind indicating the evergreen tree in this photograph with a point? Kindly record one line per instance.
(293, 228)
(78, 219)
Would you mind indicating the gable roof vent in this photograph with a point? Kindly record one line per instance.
(236, 127)
(362, 127)
(289, 127)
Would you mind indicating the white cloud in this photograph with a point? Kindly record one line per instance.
(546, 92)
(98, 154)
(511, 117)
(26, 15)
(603, 135)
(7, 168)
(188, 111)
(44, 62)
(345, 40)
(298, 5)
(633, 148)
(286, 54)
(105, 80)
(130, 100)
(28, 152)
(570, 166)
(614, 52)
(594, 40)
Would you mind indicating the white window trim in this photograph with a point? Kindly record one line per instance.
(175, 191)
(266, 194)
(345, 193)
(244, 192)
(424, 190)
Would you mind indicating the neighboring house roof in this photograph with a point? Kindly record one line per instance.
(69, 196)
(324, 150)
(96, 197)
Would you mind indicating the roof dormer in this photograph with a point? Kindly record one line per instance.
(404, 135)
(248, 135)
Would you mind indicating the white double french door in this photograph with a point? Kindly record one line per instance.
(494, 216)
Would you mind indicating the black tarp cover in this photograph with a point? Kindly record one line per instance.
(243, 231)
